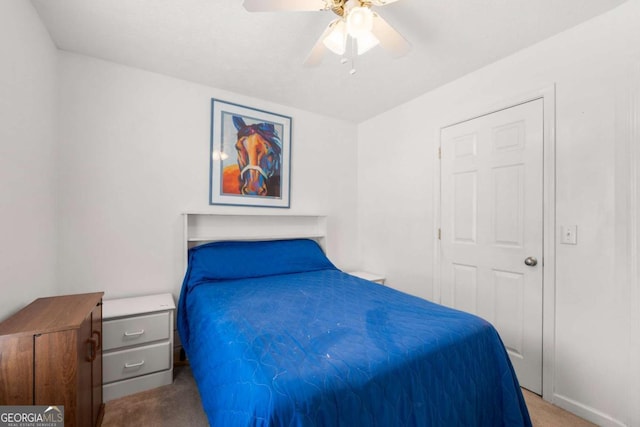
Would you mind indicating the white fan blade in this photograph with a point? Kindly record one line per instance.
(317, 52)
(389, 38)
(381, 2)
(284, 5)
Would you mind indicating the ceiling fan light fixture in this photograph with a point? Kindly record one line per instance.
(336, 40)
(359, 21)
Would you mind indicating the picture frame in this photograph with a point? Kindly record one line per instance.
(250, 156)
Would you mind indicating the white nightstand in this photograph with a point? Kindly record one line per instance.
(137, 344)
(372, 277)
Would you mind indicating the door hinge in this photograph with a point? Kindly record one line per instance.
(439, 234)
(440, 152)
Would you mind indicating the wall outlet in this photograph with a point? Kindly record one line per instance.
(569, 234)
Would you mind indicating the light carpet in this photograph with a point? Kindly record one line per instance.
(179, 404)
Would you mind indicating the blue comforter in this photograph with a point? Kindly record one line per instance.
(323, 348)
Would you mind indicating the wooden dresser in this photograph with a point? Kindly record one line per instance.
(51, 354)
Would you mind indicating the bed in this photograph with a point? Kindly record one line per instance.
(276, 335)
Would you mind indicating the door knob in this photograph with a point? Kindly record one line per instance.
(531, 261)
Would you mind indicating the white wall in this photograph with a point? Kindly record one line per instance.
(27, 136)
(134, 154)
(590, 66)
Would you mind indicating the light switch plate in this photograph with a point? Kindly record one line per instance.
(569, 234)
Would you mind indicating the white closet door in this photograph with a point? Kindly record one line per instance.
(492, 235)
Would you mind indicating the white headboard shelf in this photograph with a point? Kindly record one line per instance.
(203, 227)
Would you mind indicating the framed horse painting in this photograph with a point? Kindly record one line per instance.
(250, 156)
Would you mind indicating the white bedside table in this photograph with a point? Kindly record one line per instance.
(372, 277)
(137, 344)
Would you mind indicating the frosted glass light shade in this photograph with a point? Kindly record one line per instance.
(359, 21)
(336, 41)
(366, 42)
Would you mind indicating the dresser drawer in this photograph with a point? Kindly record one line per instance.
(136, 361)
(135, 330)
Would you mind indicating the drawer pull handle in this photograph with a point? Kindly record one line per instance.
(134, 334)
(134, 365)
(93, 349)
(99, 341)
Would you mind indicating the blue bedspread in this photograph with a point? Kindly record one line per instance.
(322, 348)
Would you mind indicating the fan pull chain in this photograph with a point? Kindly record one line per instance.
(351, 58)
(354, 53)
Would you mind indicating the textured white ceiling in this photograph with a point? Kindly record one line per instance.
(219, 44)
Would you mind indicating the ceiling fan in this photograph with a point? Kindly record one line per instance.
(356, 22)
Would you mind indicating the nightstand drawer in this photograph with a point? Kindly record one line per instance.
(135, 330)
(136, 361)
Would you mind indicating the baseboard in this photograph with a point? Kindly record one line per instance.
(586, 412)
